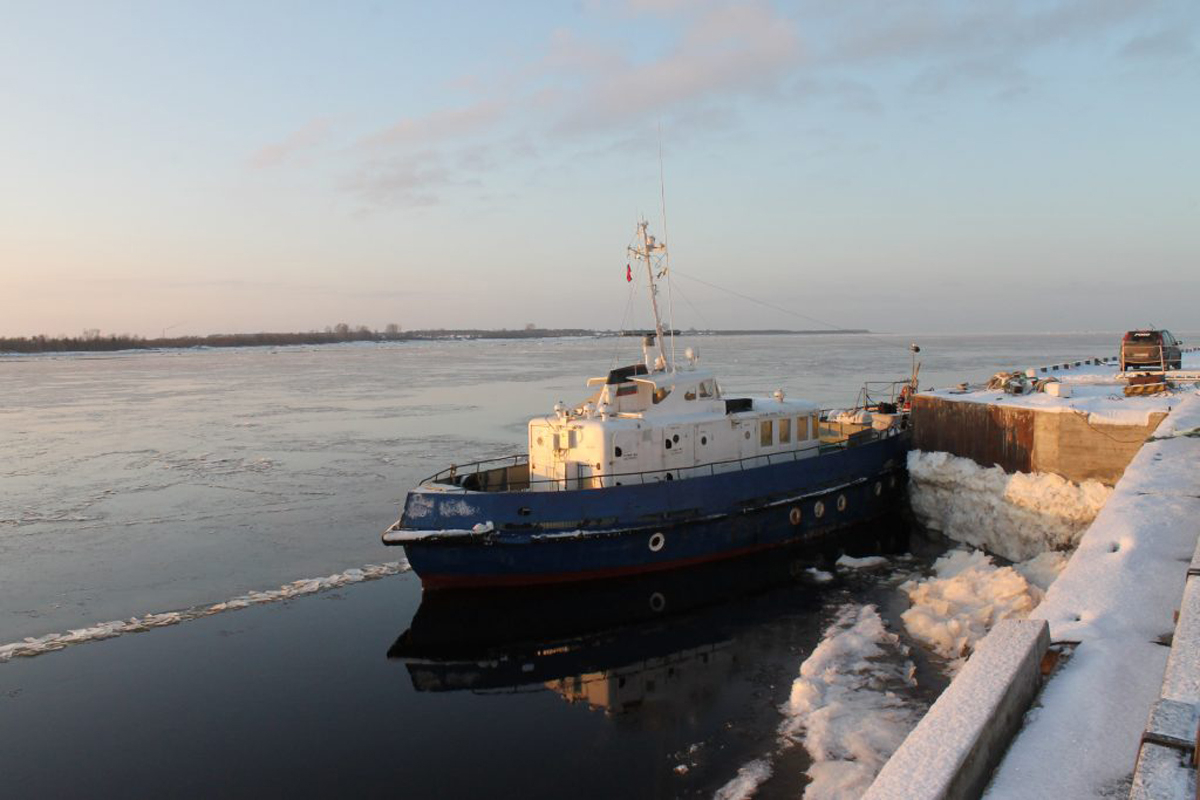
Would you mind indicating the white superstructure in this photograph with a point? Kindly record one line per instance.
(651, 421)
(668, 425)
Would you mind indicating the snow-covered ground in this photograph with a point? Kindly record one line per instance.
(1116, 597)
(1097, 391)
(1017, 516)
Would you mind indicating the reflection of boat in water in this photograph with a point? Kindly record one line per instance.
(658, 469)
(614, 644)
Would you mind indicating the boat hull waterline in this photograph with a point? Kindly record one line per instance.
(458, 538)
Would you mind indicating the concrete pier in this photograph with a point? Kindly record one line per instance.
(1075, 446)
(1108, 706)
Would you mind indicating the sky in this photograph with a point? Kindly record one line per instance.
(903, 165)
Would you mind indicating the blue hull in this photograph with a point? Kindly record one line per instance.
(523, 538)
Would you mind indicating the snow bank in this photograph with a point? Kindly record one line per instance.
(968, 594)
(1016, 516)
(847, 707)
(106, 630)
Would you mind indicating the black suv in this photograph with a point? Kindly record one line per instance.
(1151, 349)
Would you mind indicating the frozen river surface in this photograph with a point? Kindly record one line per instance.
(143, 482)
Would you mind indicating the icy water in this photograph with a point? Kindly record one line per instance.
(146, 482)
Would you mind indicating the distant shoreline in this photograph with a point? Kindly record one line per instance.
(98, 344)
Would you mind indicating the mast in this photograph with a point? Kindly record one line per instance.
(649, 247)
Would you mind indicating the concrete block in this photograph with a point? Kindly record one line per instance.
(1173, 724)
(1162, 772)
(1181, 680)
(953, 750)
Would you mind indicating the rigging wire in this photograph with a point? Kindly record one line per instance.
(695, 310)
(662, 191)
(786, 310)
(633, 286)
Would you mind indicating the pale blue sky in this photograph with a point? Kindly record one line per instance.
(890, 164)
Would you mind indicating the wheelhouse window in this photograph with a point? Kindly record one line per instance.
(706, 389)
(690, 394)
(661, 393)
(801, 428)
(816, 426)
(766, 433)
(785, 431)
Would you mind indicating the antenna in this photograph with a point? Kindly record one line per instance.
(662, 192)
(648, 248)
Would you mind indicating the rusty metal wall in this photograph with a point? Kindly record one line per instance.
(987, 434)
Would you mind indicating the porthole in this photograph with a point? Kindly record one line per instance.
(703, 440)
(657, 540)
(657, 601)
(747, 434)
(878, 488)
(667, 444)
(794, 515)
(675, 438)
(841, 502)
(617, 452)
(524, 511)
(670, 477)
(818, 509)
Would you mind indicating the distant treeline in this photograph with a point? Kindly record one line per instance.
(93, 341)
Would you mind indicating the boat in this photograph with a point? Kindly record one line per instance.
(658, 468)
(603, 632)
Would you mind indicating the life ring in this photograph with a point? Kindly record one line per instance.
(794, 515)
(657, 541)
(878, 488)
(658, 602)
(841, 502)
(818, 509)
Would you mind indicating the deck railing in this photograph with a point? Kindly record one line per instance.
(460, 474)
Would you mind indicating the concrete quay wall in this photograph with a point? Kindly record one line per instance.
(1117, 700)
(1071, 445)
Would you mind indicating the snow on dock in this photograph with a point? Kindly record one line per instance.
(1117, 597)
(1021, 473)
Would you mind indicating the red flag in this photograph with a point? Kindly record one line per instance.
(628, 274)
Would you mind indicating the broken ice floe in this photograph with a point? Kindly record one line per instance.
(850, 708)
(1016, 516)
(867, 562)
(968, 594)
(33, 646)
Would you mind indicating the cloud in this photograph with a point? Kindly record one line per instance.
(889, 30)
(409, 180)
(442, 124)
(315, 132)
(1171, 43)
(591, 93)
(723, 51)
